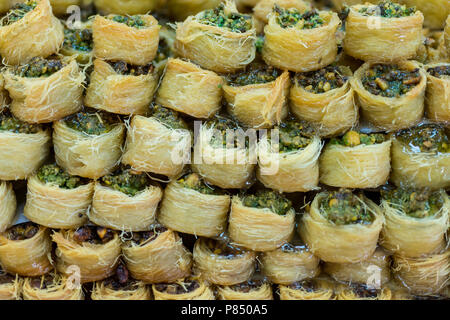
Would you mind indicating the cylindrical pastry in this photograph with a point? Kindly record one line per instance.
(248, 290)
(341, 227)
(121, 88)
(78, 42)
(133, 39)
(25, 249)
(385, 32)
(220, 263)
(8, 205)
(30, 30)
(45, 90)
(298, 41)
(160, 144)
(51, 286)
(421, 157)
(357, 291)
(224, 154)
(374, 271)
(289, 163)
(23, 147)
(356, 160)
(263, 8)
(125, 200)
(220, 39)
(315, 289)
(391, 97)
(189, 89)
(56, 199)
(262, 222)
(289, 264)
(157, 256)
(434, 11)
(89, 143)
(10, 286)
(257, 98)
(191, 206)
(425, 275)
(325, 98)
(90, 253)
(181, 9)
(189, 289)
(127, 7)
(437, 101)
(416, 221)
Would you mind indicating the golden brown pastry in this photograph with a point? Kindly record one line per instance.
(434, 11)
(315, 289)
(188, 289)
(8, 205)
(248, 290)
(10, 286)
(181, 9)
(362, 292)
(263, 8)
(51, 286)
(437, 101)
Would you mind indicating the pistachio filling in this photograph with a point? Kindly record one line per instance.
(43, 282)
(363, 291)
(93, 235)
(247, 286)
(195, 182)
(39, 67)
(164, 51)
(10, 123)
(167, 116)
(233, 21)
(55, 175)
(223, 249)
(309, 286)
(388, 9)
(22, 231)
(18, 11)
(121, 280)
(256, 74)
(131, 21)
(343, 207)
(428, 138)
(414, 203)
(224, 135)
(323, 80)
(127, 181)
(292, 18)
(259, 43)
(178, 288)
(78, 39)
(354, 138)
(144, 237)
(92, 122)
(294, 135)
(123, 68)
(389, 80)
(267, 199)
(440, 71)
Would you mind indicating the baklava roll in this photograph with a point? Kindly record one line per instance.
(257, 97)
(120, 287)
(194, 207)
(188, 289)
(157, 256)
(391, 96)
(263, 8)
(127, 7)
(160, 143)
(356, 291)
(10, 286)
(78, 43)
(56, 199)
(8, 205)
(263, 221)
(356, 160)
(425, 275)
(374, 271)
(187, 88)
(221, 263)
(94, 251)
(290, 263)
(385, 32)
(30, 30)
(220, 39)
(181, 9)
(298, 41)
(51, 286)
(341, 227)
(224, 154)
(88, 143)
(119, 87)
(25, 249)
(125, 200)
(421, 157)
(416, 221)
(23, 147)
(437, 101)
(326, 99)
(434, 11)
(45, 90)
(290, 163)
(132, 39)
(248, 290)
(313, 289)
